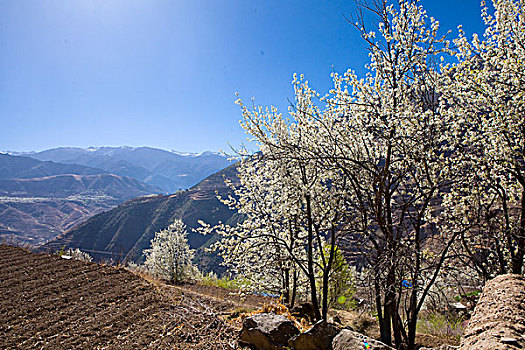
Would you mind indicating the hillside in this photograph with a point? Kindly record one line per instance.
(65, 185)
(19, 167)
(170, 171)
(51, 303)
(123, 232)
(39, 200)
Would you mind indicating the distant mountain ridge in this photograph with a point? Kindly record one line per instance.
(39, 200)
(167, 170)
(21, 167)
(65, 185)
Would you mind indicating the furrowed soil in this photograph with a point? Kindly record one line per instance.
(47, 302)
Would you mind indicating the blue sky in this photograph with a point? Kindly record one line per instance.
(163, 73)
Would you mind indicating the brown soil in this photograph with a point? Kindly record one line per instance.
(47, 302)
(51, 303)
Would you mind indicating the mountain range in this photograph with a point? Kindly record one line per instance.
(39, 200)
(43, 194)
(168, 170)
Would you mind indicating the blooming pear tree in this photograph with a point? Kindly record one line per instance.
(394, 167)
(289, 210)
(486, 93)
(388, 138)
(170, 255)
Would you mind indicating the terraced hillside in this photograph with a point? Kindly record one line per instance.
(47, 302)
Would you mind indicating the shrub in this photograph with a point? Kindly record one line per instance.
(439, 325)
(170, 255)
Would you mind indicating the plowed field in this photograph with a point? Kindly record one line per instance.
(47, 302)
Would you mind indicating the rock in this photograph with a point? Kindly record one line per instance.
(267, 331)
(512, 341)
(305, 310)
(498, 321)
(457, 306)
(319, 337)
(442, 347)
(348, 339)
(337, 319)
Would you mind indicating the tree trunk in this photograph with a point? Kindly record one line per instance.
(383, 325)
(326, 275)
(412, 325)
(286, 293)
(294, 289)
(311, 274)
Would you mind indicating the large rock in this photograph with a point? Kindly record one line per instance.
(267, 331)
(348, 339)
(319, 337)
(498, 321)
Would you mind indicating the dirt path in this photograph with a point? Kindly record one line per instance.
(51, 303)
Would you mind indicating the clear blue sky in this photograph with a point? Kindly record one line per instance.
(163, 73)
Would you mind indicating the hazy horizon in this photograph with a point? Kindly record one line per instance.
(183, 152)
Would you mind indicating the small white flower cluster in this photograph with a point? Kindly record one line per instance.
(77, 254)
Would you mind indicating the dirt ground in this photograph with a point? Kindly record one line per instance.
(47, 302)
(51, 303)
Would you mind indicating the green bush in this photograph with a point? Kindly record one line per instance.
(341, 289)
(442, 326)
(211, 279)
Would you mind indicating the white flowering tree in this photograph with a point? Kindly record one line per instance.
(289, 211)
(263, 248)
(388, 138)
(170, 255)
(485, 92)
(382, 166)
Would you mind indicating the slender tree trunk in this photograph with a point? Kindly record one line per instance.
(412, 325)
(386, 336)
(397, 325)
(287, 286)
(325, 295)
(326, 274)
(413, 304)
(382, 323)
(294, 289)
(311, 273)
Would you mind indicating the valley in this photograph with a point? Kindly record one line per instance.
(42, 198)
(124, 232)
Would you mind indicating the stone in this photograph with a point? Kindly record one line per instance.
(319, 337)
(348, 339)
(498, 321)
(512, 341)
(267, 331)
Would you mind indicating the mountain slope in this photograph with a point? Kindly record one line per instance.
(66, 185)
(26, 167)
(169, 171)
(125, 231)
